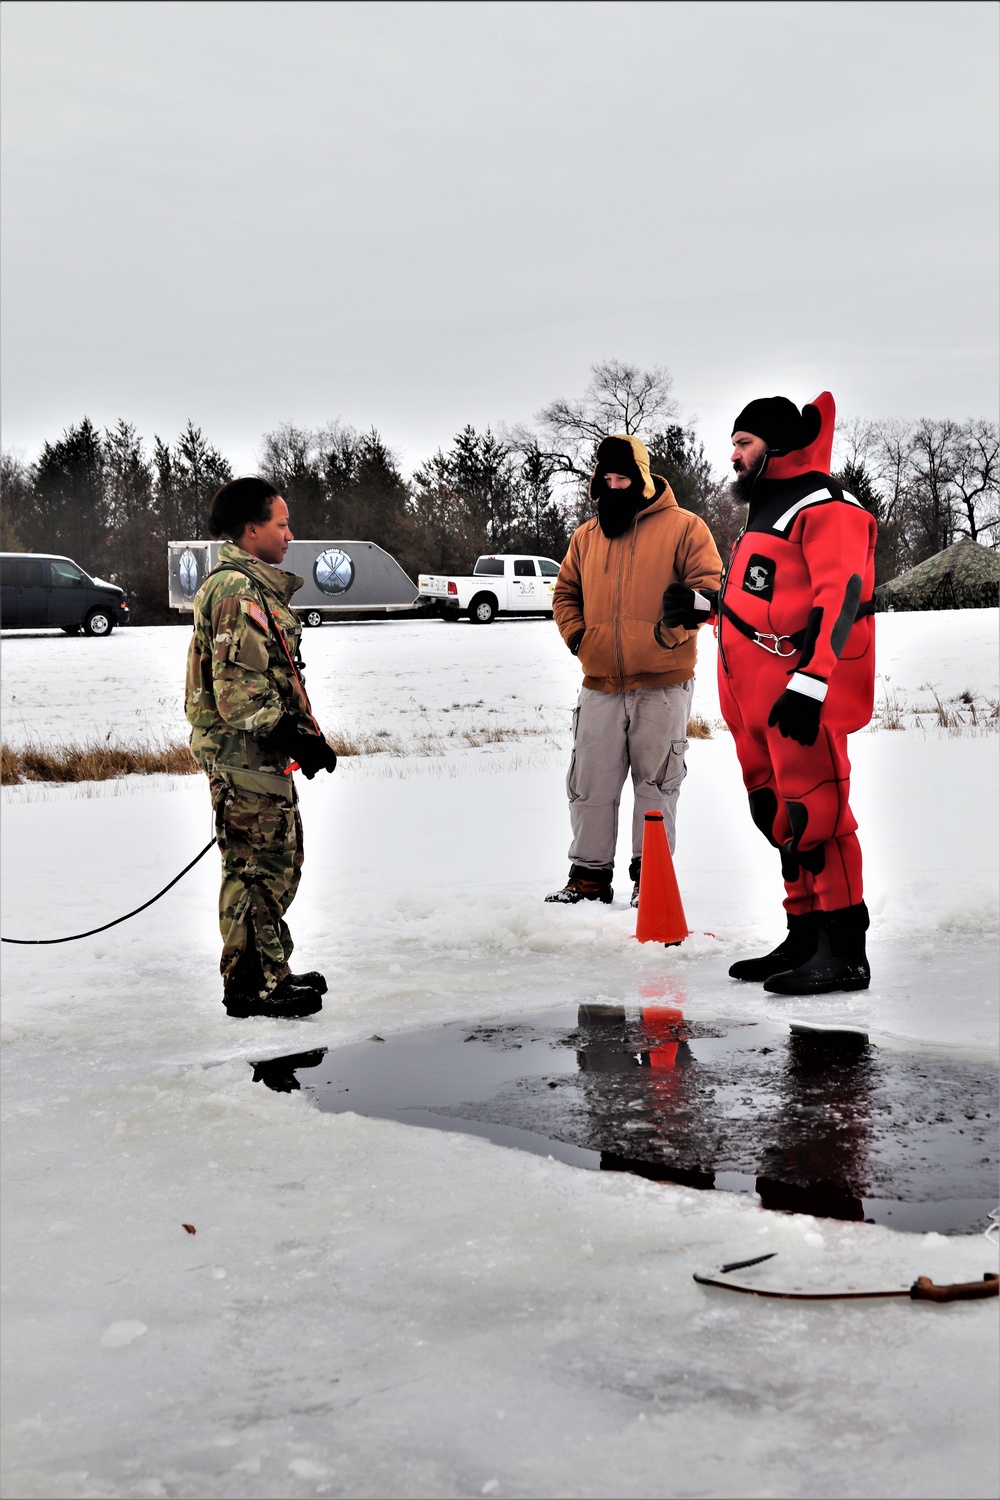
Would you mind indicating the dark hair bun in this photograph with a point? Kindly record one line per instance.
(239, 504)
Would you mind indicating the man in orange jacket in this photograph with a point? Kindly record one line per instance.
(635, 701)
(796, 676)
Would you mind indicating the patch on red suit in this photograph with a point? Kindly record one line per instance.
(257, 615)
(759, 576)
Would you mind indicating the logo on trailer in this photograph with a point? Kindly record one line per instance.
(333, 571)
(187, 574)
(759, 576)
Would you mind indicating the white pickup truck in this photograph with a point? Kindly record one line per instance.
(502, 584)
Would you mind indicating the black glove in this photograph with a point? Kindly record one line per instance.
(310, 750)
(575, 643)
(796, 712)
(687, 607)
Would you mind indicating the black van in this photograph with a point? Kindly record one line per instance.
(37, 589)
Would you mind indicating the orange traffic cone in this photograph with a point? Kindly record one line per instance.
(661, 915)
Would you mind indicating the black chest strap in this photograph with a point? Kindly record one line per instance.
(780, 645)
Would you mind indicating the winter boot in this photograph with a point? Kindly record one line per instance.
(245, 989)
(584, 885)
(313, 980)
(799, 945)
(839, 962)
(634, 872)
(287, 1001)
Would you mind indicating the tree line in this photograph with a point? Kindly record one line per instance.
(111, 503)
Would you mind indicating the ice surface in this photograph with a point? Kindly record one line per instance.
(367, 1308)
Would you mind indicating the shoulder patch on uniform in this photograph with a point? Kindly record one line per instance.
(256, 614)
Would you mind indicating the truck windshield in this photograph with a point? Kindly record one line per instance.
(492, 565)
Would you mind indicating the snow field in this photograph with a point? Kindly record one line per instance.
(421, 679)
(370, 1309)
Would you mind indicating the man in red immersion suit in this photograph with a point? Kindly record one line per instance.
(796, 676)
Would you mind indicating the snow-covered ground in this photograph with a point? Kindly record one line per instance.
(369, 1308)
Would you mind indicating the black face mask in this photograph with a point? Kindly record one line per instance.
(617, 509)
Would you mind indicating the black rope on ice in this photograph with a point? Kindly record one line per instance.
(32, 942)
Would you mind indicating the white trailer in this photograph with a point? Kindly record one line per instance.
(340, 578)
(500, 584)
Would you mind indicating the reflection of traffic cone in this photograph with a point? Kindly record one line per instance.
(661, 915)
(663, 1021)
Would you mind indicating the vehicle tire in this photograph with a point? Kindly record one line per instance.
(98, 622)
(451, 615)
(70, 629)
(483, 609)
(312, 618)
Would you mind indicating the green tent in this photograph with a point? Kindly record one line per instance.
(963, 576)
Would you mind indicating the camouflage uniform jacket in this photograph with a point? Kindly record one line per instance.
(240, 681)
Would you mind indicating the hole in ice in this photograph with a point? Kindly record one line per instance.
(818, 1123)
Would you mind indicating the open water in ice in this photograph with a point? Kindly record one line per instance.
(825, 1124)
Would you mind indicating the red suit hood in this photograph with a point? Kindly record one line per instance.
(817, 456)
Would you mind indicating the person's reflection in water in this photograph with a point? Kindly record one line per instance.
(638, 1083)
(819, 1164)
(654, 1111)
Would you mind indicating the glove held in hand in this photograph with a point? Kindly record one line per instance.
(310, 750)
(686, 607)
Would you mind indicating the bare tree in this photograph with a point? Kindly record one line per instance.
(931, 486)
(976, 479)
(858, 444)
(619, 398)
(16, 498)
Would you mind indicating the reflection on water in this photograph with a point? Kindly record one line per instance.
(824, 1125)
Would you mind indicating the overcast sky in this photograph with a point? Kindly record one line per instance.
(421, 215)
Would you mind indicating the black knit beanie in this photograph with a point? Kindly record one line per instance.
(778, 421)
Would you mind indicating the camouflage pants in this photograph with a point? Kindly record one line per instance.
(260, 839)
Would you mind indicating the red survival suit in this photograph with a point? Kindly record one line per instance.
(795, 612)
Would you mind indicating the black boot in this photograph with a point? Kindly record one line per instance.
(313, 980)
(799, 945)
(245, 989)
(634, 873)
(286, 1002)
(839, 962)
(584, 885)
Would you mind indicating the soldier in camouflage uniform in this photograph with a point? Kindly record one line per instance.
(251, 719)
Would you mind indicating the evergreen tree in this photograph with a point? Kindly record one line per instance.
(542, 525)
(380, 497)
(290, 459)
(134, 546)
(679, 456)
(890, 545)
(197, 471)
(439, 519)
(483, 475)
(337, 452)
(70, 512)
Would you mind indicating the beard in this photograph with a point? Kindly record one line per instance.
(745, 476)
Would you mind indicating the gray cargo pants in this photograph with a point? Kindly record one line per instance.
(645, 731)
